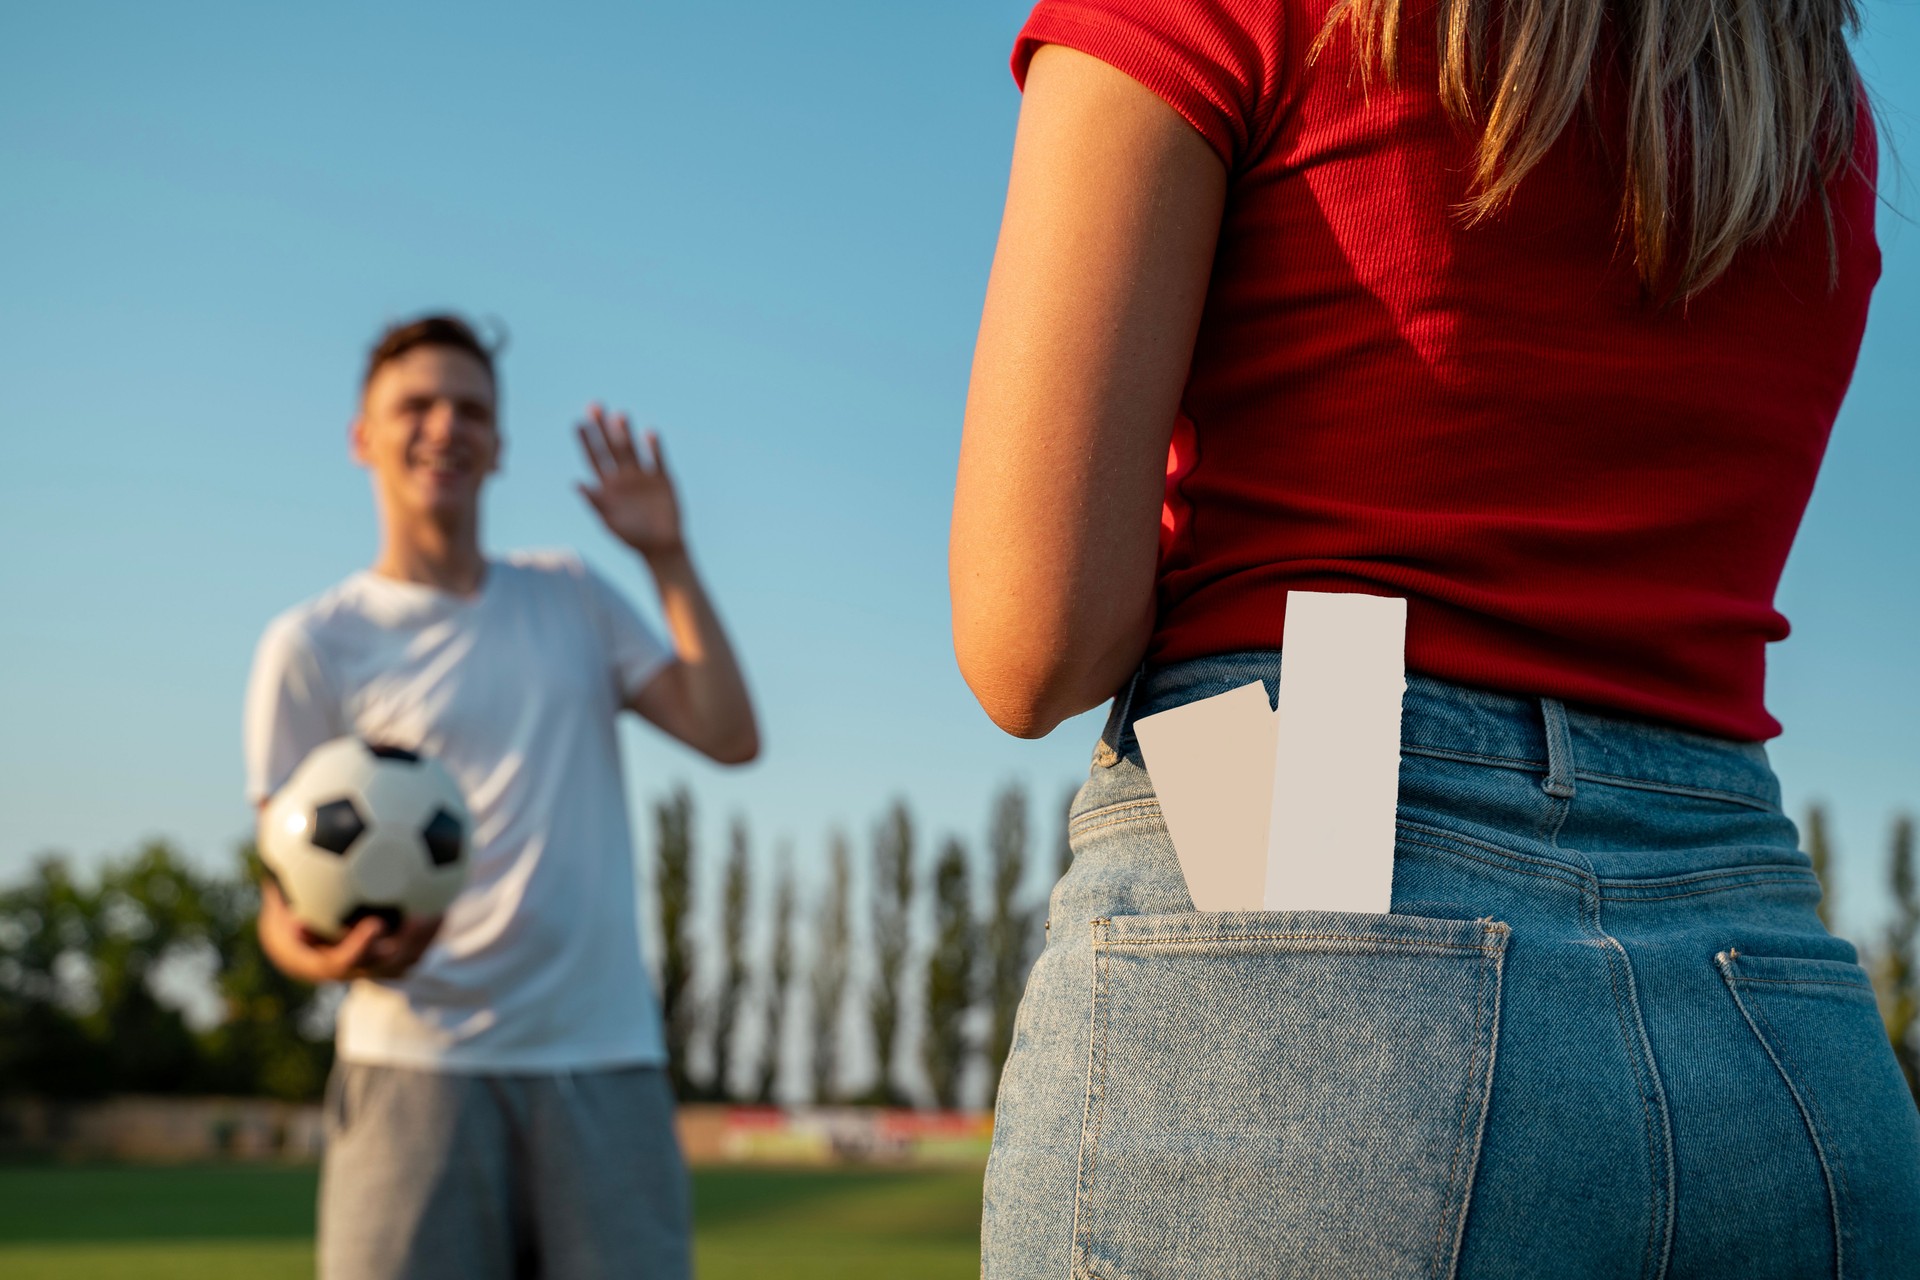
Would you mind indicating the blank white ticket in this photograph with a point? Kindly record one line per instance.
(1336, 757)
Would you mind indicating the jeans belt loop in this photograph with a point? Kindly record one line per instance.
(1107, 754)
(1559, 780)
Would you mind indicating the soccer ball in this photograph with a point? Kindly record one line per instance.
(366, 830)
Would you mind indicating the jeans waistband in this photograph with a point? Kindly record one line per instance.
(1563, 745)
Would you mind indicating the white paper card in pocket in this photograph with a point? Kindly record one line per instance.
(1211, 763)
(1336, 757)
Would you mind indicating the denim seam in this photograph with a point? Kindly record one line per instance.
(1835, 1169)
(1522, 765)
(1693, 877)
(1458, 1194)
(1395, 944)
(1441, 840)
(1697, 893)
(1633, 1064)
(1114, 822)
(1801, 1104)
(1540, 868)
(1460, 1129)
(1677, 788)
(1505, 934)
(1653, 1105)
(1083, 823)
(1558, 807)
(1811, 982)
(1472, 757)
(1093, 1117)
(1560, 782)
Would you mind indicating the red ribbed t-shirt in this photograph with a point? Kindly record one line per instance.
(1581, 495)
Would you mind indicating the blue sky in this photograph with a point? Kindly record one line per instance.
(764, 228)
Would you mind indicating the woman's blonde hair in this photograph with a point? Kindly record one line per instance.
(1737, 110)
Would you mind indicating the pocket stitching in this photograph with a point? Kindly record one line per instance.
(1677, 789)
(1804, 1101)
(1441, 840)
(1457, 1214)
(1797, 877)
(1653, 1102)
(1398, 944)
(1492, 952)
(1811, 982)
(1150, 808)
(1836, 1172)
(1094, 1115)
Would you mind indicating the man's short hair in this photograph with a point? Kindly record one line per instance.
(429, 331)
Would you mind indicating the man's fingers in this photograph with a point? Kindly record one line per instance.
(595, 449)
(653, 449)
(351, 951)
(620, 438)
(603, 433)
(420, 931)
(384, 959)
(395, 953)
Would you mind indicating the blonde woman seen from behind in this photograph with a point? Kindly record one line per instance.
(1536, 315)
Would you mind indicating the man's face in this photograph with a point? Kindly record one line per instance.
(427, 433)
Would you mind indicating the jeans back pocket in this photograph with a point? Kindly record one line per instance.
(1281, 1094)
(1819, 1023)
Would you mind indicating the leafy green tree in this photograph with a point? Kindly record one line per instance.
(833, 945)
(147, 909)
(673, 889)
(86, 956)
(1899, 965)
(779, 986)
(274, 1039)
(952, 986)
(1820, 851)
(45, 1046)
(1009, 927)
(733, 967)
(892, 916)
(79, 1009)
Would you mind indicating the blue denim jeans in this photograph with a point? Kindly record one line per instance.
(1602, 1033)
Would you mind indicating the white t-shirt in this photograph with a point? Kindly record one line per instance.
(515, 690)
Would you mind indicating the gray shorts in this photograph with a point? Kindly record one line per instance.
(565, 1175)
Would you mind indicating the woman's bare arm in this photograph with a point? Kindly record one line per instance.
(1105, 250)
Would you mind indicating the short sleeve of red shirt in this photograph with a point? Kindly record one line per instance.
(1216, 62)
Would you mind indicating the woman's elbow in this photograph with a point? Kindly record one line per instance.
(740, 747)
(1022, 713)
(1027, 688)
(1022, 696)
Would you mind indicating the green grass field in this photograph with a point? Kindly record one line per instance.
(233, 1222)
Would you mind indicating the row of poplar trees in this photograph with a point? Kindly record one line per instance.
(1894, 959)
(809, 1005)
(975, 963)
(930, 980)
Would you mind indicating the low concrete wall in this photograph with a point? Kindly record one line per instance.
(158, 1129)
(161, 1129)
(833, 1135)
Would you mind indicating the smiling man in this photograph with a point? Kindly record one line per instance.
(500, 1106)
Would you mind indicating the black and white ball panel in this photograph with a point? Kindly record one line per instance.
(337, 824)
(366, 830)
